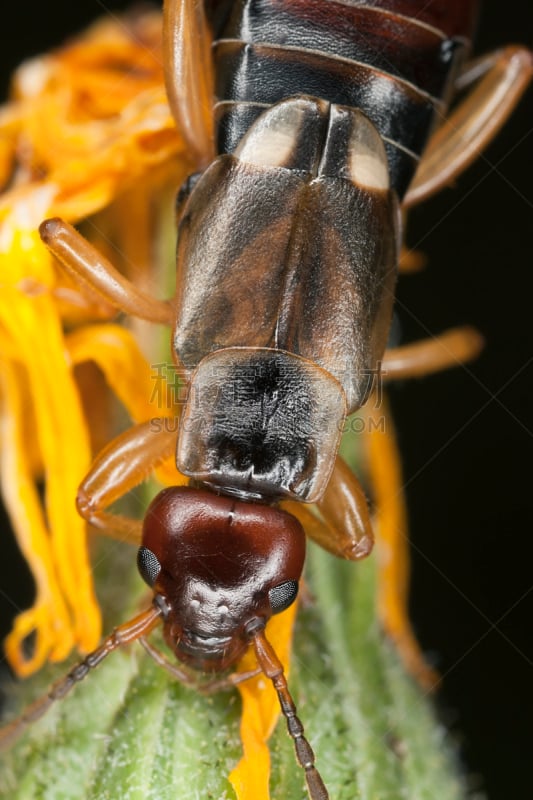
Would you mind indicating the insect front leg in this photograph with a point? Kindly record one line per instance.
(342, 525)
(119, 468)
(500, 80)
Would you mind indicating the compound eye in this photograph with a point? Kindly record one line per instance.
(148, 565)
(282, 596)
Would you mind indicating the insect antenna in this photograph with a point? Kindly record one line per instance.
(273, 669)
(122, 635)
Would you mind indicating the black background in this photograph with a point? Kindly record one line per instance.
(465, 435)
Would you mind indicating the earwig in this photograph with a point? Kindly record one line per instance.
(320, 133)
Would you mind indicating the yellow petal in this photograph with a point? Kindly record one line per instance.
(49, 618)
(31, 322)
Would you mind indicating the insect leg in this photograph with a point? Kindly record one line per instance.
(411, 261)
(122, 465)
(501, 78)
(188, 74)
(122, 635)
(450, 349)
(342, 525)
(86, 264)
(345, 509)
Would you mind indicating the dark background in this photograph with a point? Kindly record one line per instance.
(465, 435)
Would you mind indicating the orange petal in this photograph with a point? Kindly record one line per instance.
(114, 349)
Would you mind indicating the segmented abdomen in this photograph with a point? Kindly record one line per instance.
(393, 59)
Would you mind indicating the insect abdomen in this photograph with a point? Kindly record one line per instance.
(392, 59)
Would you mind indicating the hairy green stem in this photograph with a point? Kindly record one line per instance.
(130, 731)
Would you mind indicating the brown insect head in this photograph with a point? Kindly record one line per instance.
(219, 569)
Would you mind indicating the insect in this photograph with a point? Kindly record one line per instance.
(287, 257)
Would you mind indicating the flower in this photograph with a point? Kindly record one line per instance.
(86, 126)
(87, 136)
